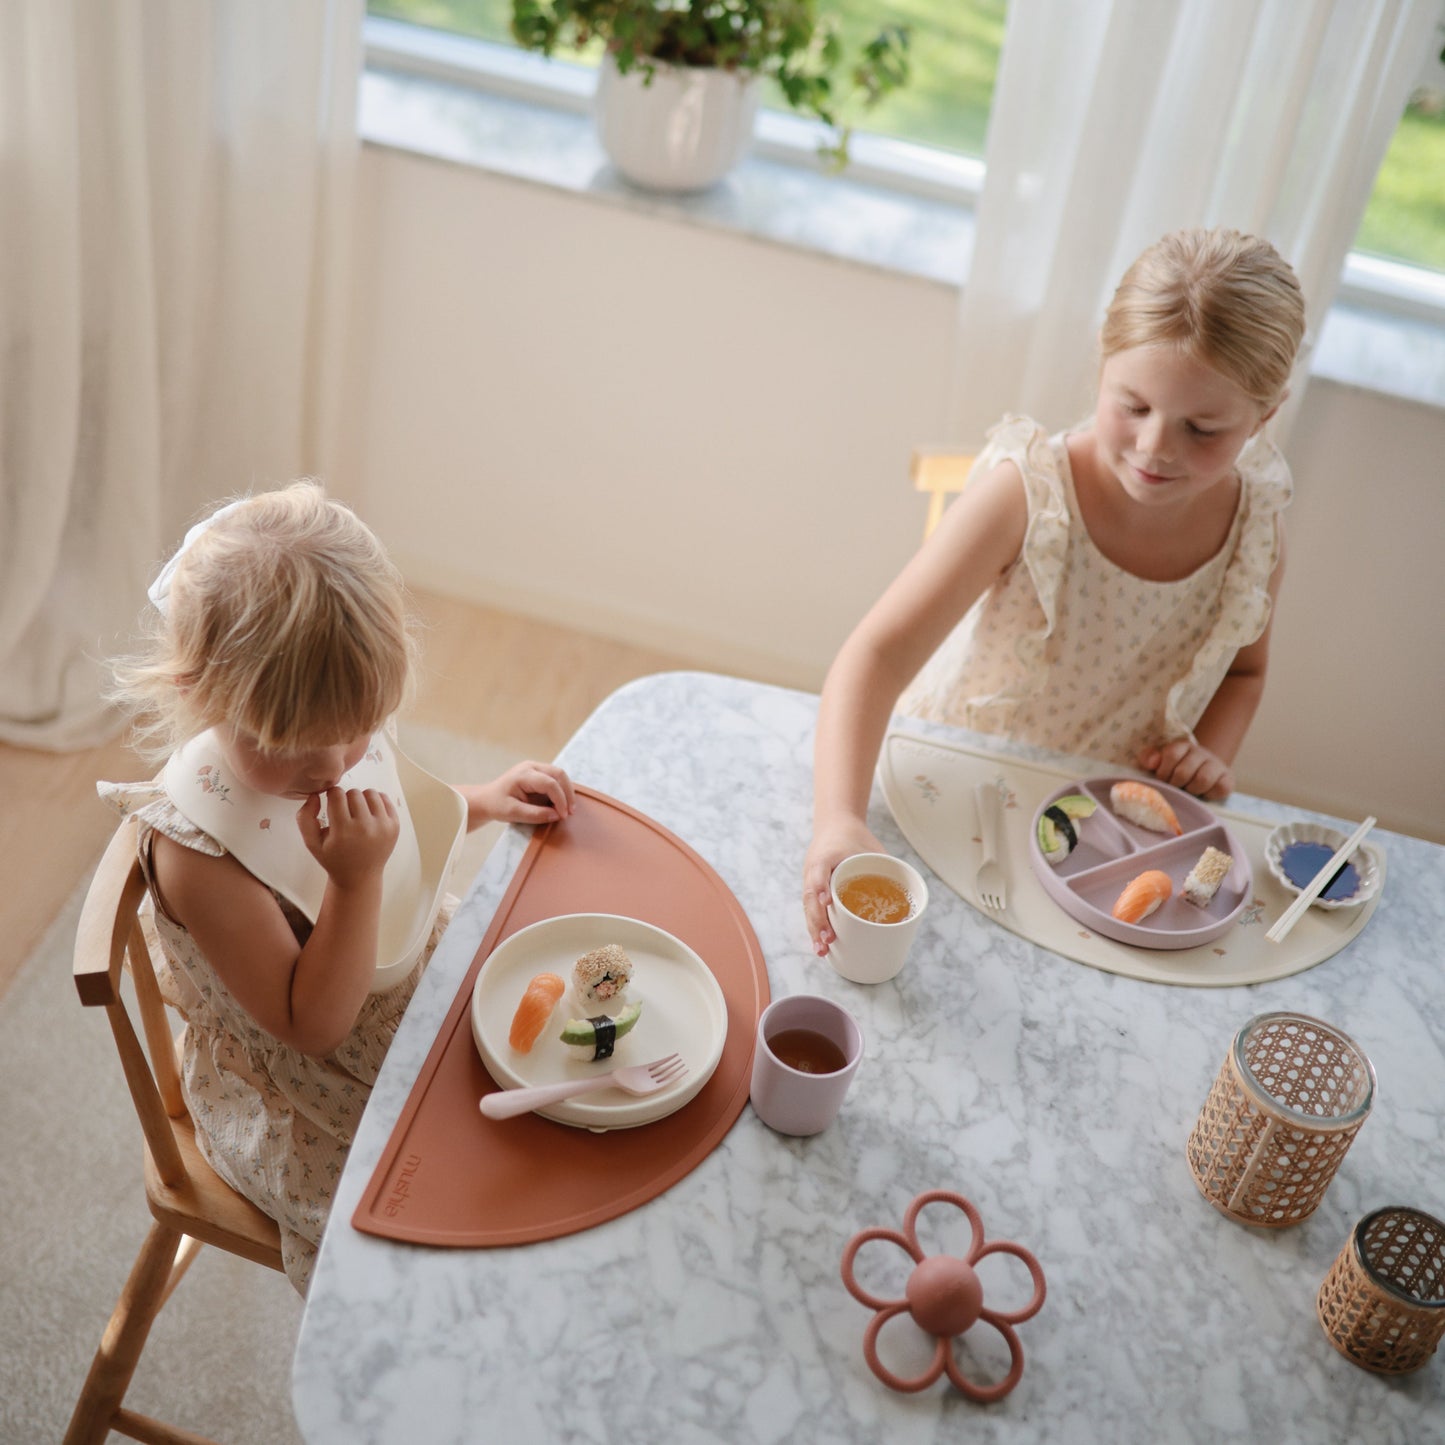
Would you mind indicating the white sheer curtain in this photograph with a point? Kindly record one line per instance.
(175, 188)
(1115, 121)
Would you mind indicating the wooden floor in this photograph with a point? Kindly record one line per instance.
(521, 684)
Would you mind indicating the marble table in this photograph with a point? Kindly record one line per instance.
(1056, 1096)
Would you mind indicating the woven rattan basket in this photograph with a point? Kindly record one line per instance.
(1288, 1100)
(1383, 1302)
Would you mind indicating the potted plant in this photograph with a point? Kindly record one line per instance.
(677, 86)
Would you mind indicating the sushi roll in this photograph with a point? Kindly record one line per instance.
(1147, 807)
(1205, 877)
(1142, 896)
(602, 976)
(535, 1008)
(595, 1038)
(1058, 832)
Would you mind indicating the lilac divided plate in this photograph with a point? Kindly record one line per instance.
(1111, 852)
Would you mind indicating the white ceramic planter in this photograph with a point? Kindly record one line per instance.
(683, 132)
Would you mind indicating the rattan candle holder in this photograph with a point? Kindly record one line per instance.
(1284, 1107)
(1383, 1302)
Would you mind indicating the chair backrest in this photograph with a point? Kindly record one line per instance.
(939, 473)
(190, 1203)
(108, 942)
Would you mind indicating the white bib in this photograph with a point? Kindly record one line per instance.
(260, 831)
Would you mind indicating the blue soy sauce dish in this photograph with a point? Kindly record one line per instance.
(1301, 860)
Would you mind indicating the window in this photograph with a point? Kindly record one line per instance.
(481, 19)
(955, 49)
(1405, 220)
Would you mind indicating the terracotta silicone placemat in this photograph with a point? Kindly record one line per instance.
(449, 1175)
(929, 787)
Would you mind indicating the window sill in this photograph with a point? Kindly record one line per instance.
(1368, 348)
(1365, 342)
(842, 217)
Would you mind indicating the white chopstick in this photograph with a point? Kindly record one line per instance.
(1318, 883)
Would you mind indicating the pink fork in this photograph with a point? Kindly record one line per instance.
(633, 1079)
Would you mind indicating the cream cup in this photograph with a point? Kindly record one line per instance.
(866, 952)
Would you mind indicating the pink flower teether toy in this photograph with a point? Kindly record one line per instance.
(945, 1298)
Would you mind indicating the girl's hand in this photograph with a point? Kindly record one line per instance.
(361, 830)
(1187, 764)
(830, 846)
(526, 793)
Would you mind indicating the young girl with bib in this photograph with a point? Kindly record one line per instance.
(297, 860)
(1104, 591)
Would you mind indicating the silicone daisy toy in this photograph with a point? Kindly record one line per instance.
(945, 1298)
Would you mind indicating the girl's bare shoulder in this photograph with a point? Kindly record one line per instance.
(992, 499)
(190, 882)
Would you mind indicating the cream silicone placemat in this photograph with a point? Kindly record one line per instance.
(929, 787)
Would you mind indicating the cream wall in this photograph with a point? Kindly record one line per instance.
(692, 439)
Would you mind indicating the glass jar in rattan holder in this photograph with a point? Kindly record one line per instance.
(1284, 1107)
(1383, 1302)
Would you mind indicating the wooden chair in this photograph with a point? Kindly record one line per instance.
(191, 1204)
(939, 474)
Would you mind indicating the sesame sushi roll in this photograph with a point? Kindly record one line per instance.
(601, 977)
(1205, 877)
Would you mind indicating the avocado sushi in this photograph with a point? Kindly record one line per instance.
(595, 1038)
(1058, 830)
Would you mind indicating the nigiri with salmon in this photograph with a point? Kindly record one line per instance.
(1142, 895)
(534, 1009)
(1147, 807)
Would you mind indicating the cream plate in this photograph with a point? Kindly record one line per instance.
(683, 1012)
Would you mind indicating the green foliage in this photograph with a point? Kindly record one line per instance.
(785, 41)
(952, 59)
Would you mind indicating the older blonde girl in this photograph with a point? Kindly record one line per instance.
(1105, 591)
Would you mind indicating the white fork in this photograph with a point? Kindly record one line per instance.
(633, 1079)
(991, 883)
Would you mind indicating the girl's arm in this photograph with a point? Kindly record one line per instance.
(526, 793)
(978, 539)
(307, 997)
(1203, 765)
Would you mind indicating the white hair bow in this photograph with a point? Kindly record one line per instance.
(160, 590)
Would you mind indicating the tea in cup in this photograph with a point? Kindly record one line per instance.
(808, 1049)
(876, 898)
(877, 901)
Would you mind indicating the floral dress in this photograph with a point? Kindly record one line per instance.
(273, 1122)
(1069, 651)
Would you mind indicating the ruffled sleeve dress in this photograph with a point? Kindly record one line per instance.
(1069, 651)
(273, 1122)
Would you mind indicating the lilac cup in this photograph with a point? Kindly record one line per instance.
(791, 1099)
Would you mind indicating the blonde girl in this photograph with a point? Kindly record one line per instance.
(1106, 591)
(296, 859)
